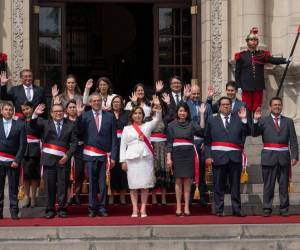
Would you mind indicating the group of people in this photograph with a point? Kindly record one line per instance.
(142, 144)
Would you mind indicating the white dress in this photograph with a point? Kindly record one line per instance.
(136, 154)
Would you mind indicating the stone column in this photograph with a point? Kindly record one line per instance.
(214, 26)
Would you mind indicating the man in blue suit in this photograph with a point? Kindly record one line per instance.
(100, 151)
(194, 105)
(231, 91)
(12, 148)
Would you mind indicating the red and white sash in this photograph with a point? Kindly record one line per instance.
(225, 146)
(276, 147)
(54, 149)
(6, 157)
(158, 137)
(18, 115)
(32, 139)
(185, 142)
(144, 138)
(93, 151)
(119, 133)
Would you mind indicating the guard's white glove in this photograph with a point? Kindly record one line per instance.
(240, 91)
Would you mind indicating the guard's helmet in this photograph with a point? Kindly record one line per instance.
(253, 34)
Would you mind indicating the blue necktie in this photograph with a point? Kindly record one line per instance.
(58, 129)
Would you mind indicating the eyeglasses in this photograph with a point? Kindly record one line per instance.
(57, 111)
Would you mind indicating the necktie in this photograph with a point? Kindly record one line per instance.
(196, 109)
(177, 99)
(226, 122)
(277, 123)
(58, 128)
(97, 121)
(6, 129)
(28, 93)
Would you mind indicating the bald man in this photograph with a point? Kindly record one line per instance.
(194, 103)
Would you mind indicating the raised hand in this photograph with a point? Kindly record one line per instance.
(166, 98)
(159, 85)
(243, 113)
(257, 114)
(133, 97)
(39, 109)
(56, 100)
(156, 103)
(202, 108)
(54, 90)
(210, 92)
(187, 91)
(89, 83)
(79, 107)
(4, 78)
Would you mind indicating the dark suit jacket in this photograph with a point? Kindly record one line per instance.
(236, 134)
(249, 70)
(17, 95)
(15, 143)
(236, 108)
(67, 139)
(105, 139)
(194, 113)
(286, 135)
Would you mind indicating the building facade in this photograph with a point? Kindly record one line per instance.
(144, 40)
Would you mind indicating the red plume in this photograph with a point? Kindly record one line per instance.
(254, 30)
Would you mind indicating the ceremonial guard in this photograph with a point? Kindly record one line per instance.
(280, 152)
(249, 71)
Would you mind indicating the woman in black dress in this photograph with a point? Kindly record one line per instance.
(118, 176)
(181, 153)
(31, 160)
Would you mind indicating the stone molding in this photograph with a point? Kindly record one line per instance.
(17, 39)
(216, 47)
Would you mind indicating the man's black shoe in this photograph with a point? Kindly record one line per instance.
(238, 215)
(203, 203)
(62, 214)
(50, 215)
(92, 214)
(284, 213)
(102, 213)
(219, 214)
(267, 213)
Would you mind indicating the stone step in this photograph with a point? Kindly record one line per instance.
(258, 188)
(188, 237)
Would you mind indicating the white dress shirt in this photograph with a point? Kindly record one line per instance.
(279, 118)
(224, 120)
(174, 96)
(100, 117)
(30, 90)
(56, 125)
(7, 126)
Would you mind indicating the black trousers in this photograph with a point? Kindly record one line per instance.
(79, 174)
(56, 180)
(270, 174)
(220, 173)
(13, 186)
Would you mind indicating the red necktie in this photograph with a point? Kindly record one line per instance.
(277, 123)
(97, 121)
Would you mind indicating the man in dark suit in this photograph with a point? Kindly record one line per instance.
(279, 153)
(194, 104)
(22, 93)
(59, 138)
(12, 148)
(231, 92)
(224, 141)
(99, 152)
(249, 71)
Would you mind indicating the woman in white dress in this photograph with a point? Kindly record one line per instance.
(136, 155)
(138, 98)
(104, 87)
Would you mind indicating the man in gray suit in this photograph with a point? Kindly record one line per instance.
(224, 142)
(279, 153)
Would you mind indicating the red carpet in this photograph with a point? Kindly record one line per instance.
(157, 215)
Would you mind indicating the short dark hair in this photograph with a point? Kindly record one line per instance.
(121, 99)
(175, 77)
(25, 70)
(72, 101)
(224, 98)
(7, 103)
(232, 84)
(27, 104)
(107, 81)
(186, 108)
(132, 112)
(56, 104)
(275, 98)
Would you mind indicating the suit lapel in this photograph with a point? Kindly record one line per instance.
(52, 126)
(93, 121)
(283, 123)
(22, 91)
(221, 122)
(13, 123)
(2, 129)
(273, 123)
(63, 127)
